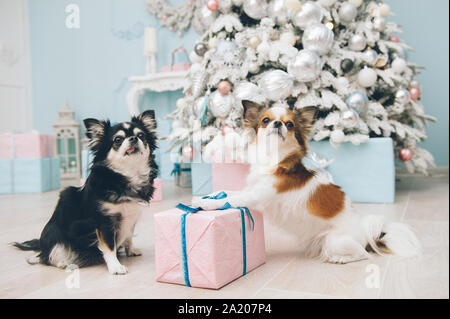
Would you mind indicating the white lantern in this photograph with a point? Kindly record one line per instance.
(67, 138)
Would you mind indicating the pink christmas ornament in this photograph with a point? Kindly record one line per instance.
(226, 130)
(415, 93)
(224, 87)
(394, 39)
(212, 5)
(188, 152)
(405, 154)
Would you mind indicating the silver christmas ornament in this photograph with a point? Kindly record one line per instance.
(370, 57)
(278, 12)
(255, 9)
(379, 24)
(357, 101)
(220, 105)
(402, 96)
(306, 66)
(200, 49)
(357, 42)
(317, 37)
(310, 12)
(276, 85)
(347, 12)
(349, 118)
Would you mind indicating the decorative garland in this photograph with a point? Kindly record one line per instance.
(174, 18)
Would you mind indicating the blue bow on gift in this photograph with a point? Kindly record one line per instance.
(178, 169)
(188, 210)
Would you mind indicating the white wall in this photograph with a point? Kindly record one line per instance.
(15, 71)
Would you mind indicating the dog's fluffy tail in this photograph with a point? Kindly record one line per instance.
(390, 238)
(33, 244)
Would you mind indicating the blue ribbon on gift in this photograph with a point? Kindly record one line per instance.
(189, 210)
(178, 169)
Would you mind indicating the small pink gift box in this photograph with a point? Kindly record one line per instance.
(26, 145)
(229, 176)
(157, 194)
(217, 249)
(177, 67)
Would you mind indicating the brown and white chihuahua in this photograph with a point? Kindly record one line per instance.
(303, 201)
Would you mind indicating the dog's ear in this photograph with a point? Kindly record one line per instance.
(305, 119)
(95, 131)
(251, 112)
(147, 119)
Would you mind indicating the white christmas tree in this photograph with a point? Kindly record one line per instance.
(341, 57)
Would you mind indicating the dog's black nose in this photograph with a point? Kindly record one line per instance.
(277, 124)
(133, 139)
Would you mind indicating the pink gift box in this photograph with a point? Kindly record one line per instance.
(229, 176)
(157, 194)
(214, 246)
(27, 145)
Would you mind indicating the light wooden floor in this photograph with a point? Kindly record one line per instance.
(422, 202)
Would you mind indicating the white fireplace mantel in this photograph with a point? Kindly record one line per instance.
(157, 82)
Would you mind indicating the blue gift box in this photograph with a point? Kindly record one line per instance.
(365, 172)
(29, 175)
(86, 161)
(201, 179)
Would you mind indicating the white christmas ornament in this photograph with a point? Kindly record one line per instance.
(347, 12)
(306, 66)
(249, 91)
(379, 24)
(327, 3)
(288, 37)
(255, 9)
(384, 10)
(220, 105)
(317, 37)
(293, 5)
(310, 12)
(349, 118)
(399, 65)
(367, 77)
(356, 3)
(357, 42)
(371, 57)
(278, 11)
(341, 83)
(276, 85)
(254, 41)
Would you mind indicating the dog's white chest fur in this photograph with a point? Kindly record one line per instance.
(129, 214)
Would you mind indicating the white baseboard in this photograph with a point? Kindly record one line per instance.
(443, 170)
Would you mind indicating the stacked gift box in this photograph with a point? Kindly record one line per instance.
(28, 163)
(365, 172)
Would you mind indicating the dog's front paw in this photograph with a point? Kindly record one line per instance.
(208, 204)
(133, 252)
(118, 269)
